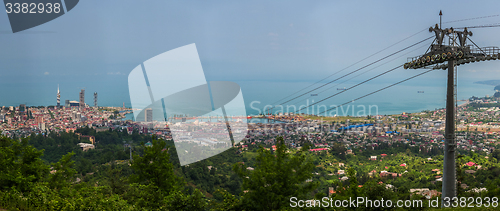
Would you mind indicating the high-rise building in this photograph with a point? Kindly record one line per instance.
(148, 115)
(38, 119)
(82, 98)
(58, 96)
(22, 107)
(66, 103)
(95, 99)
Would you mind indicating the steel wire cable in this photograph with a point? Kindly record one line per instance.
(354, 86)
(350, 65)
(366, 95)
(480, 26)
(467, 19)
(359, 69)
(369, 70)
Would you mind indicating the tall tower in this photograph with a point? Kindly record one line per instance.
(95, 99)
(447, 57)
(58, 96)
(82, 98)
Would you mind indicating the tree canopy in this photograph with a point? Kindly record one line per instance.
(276, 177)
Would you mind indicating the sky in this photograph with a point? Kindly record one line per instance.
(98, 43)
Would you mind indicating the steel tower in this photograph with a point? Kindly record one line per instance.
(449, 56)
(58, 96)
(95, 99)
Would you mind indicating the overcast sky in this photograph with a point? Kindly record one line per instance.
(237, 40)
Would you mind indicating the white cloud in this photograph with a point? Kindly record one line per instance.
(46, 73)
(116, 73)
(272, 34)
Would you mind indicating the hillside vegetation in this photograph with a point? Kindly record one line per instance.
(51, 173)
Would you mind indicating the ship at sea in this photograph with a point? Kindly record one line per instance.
(420, 91)
(341, 88)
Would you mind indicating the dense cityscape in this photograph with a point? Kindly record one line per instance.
(401, 153)
(249, 105)
(478, 126)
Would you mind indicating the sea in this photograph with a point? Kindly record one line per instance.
(413, 96)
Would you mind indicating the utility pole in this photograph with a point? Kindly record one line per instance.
(442, 56)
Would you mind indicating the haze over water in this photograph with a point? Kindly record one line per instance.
(257, 94)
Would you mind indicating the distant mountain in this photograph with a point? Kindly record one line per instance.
(490, 82)
(497, 88)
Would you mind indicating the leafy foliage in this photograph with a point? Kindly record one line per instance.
(21, 165)
(154, 180)
(154, 168)
(64, 173)
(276, 177)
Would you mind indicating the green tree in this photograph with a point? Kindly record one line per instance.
(353, 183)
(181, 201)
(276, 177)
(154, 167)
(338, 150)
(374, 191)
(64, 172)
(116, 182)
(496, 154)
(227, 201)
(20, 165)
(155, 185)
